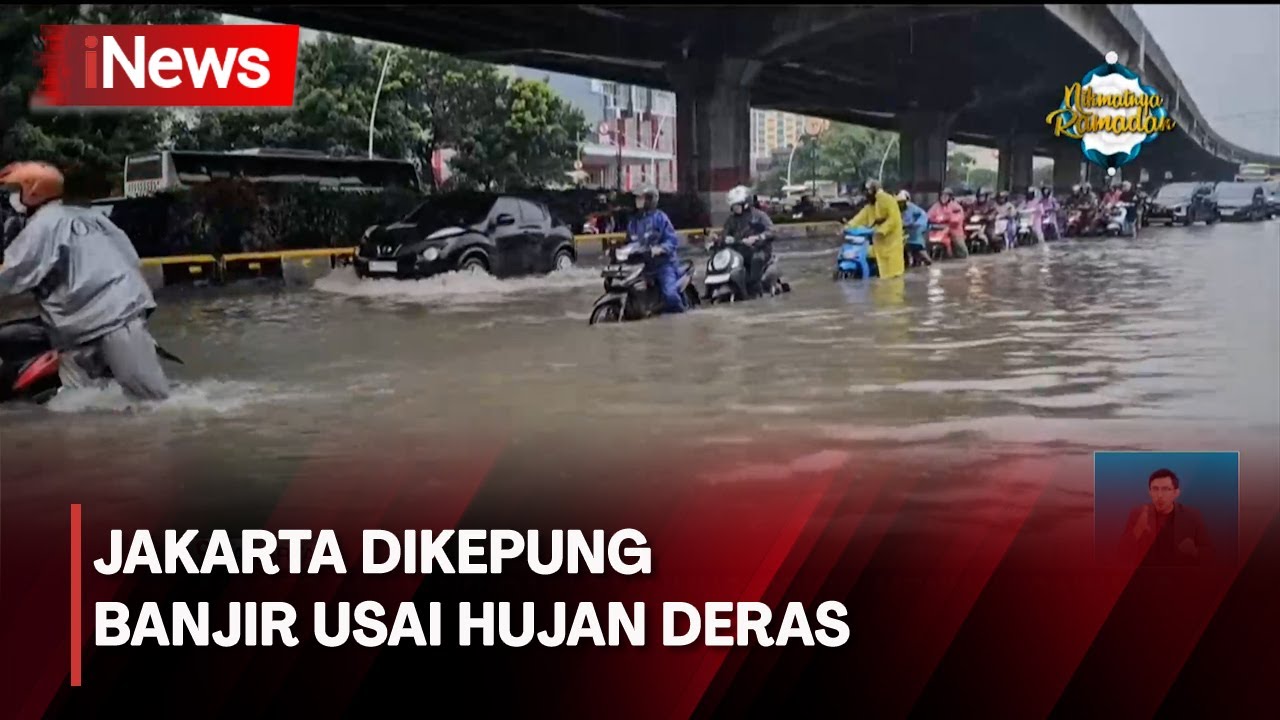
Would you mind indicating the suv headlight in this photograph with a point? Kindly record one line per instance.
(431, 254)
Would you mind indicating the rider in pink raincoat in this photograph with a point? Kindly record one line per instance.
(946, 211)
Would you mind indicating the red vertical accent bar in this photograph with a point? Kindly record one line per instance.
(75, 595)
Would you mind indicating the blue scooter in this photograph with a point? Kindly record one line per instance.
(853, 260)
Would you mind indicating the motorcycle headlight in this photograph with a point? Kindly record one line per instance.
(431, 254)
(848, 253)
(721, 261)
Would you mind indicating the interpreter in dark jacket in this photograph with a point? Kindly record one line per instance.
(1165, 532)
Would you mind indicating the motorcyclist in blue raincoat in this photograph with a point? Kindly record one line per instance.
(652, 230)
(915, 221)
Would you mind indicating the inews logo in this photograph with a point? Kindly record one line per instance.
(99, 66)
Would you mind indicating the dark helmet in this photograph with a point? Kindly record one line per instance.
(1046, 191)
(947, 192)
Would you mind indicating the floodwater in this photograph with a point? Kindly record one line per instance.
(1088, 344)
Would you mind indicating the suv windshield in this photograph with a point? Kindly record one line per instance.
(1236, 191)
(1170, 193)
(446, 211)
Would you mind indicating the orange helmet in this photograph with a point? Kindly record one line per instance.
(37, 183)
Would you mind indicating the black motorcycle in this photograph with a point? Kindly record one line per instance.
(728, 271)
(29, 363)
(631, 291)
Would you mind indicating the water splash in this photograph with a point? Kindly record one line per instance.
(206, 396)
(454, 288)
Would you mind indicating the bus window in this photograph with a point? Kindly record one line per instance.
(143, 174)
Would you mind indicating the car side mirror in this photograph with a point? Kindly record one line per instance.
(504, 219)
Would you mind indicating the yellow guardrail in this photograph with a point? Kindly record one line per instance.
(254, 259)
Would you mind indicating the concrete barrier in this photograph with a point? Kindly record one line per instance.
(306, 266)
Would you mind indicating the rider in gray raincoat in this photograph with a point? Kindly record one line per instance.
(87, 279)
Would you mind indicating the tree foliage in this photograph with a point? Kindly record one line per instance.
(505, 132)
(848, 154)
(90, 147)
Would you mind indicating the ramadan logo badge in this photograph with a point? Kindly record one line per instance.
(1112, 114)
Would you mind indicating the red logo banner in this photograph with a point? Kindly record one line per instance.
(125, 66)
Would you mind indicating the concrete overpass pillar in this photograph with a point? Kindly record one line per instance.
(1096, 175)
(1067, 170)
(1016, 157)
(922, 153)
(713, 129)
(1132, 172)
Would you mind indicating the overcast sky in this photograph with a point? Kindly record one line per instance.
(1228, 56)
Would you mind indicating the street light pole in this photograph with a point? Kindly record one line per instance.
(880, 175)
(617, 140)
(373, 113)
(791, 157)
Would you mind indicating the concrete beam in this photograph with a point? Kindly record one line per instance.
(795, 29)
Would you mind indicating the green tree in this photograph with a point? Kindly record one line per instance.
(90, 147)
(505, 133)
(1042, 175)
(850, 154)
(530, 137)
(982, 178)
(959, 165)
(337, 80)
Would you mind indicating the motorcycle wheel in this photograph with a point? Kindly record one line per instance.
(691, 299)
(606, 313)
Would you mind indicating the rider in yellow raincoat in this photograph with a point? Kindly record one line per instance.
(882, 213)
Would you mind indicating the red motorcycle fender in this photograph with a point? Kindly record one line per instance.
(40, 368)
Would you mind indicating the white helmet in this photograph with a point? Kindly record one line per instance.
(739, 195)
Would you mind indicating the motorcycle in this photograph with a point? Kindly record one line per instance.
(630, 290)
(939, 241)
(1026, 236)
(1075, 222)
(1049, 226)
(976, 235)
(727, 271)
(1007, 232)
(1118, 222)
(853, 261)
(29, 363)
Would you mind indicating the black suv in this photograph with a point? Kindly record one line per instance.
(1241, 200)
(1183, 203)
(503, 235)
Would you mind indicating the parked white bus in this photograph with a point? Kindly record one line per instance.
(153, 172)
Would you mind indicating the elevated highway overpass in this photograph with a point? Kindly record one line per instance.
(985, 75)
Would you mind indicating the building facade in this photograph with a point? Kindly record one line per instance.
(632, 130)
(774, 130)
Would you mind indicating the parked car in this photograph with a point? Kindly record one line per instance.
(1241, 200)
(1273, 198)
(503, 235)
(1183, 203)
